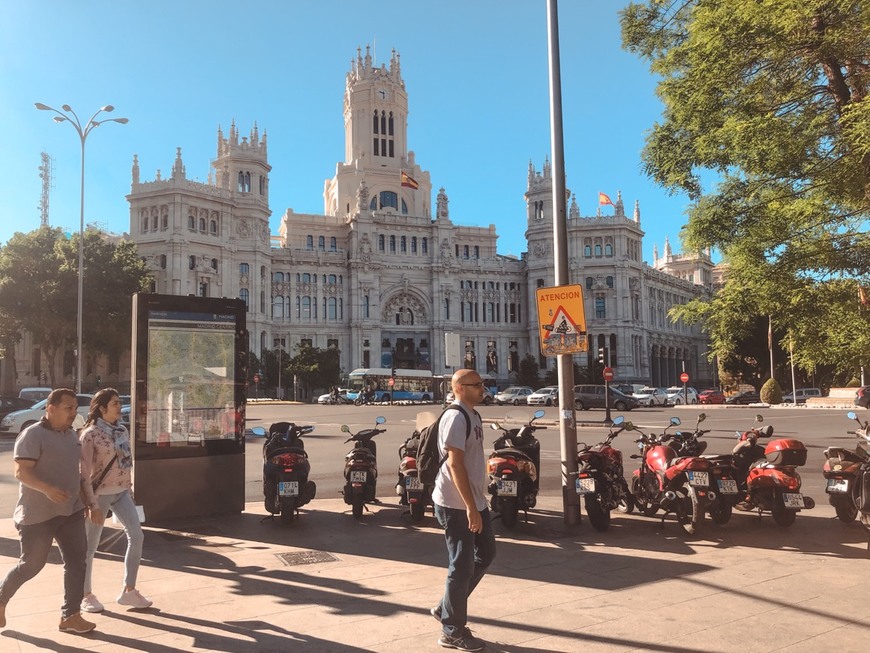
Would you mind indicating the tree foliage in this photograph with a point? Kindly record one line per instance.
(315, 367)
(527, 374)
(768, 97)
(39, 292)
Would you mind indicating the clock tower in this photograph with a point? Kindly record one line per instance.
(376, 154)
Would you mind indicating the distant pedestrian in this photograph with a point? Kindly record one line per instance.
(461, 509)
(50, 507)
(107, 463)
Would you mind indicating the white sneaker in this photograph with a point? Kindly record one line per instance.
(134, 599)
(91, 604)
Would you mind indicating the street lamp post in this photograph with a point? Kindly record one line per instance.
(68, 115)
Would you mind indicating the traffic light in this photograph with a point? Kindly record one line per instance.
(601, 355)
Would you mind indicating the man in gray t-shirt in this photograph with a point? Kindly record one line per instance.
(50, 508)
(460, 507)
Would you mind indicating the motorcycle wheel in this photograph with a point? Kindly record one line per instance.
(781, 515)
(644, 505)
(357, 401)
(598, 516)
(357, 503)
(509, 512)
(690, 513)
(626, 501)
(721, 511)
(417, 511)
(288, 510)
(846, 509)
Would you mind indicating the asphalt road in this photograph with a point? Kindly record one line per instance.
(816, 428)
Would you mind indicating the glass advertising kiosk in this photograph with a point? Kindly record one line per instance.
(188, 406)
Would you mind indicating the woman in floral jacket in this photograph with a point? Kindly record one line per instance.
(106, 466)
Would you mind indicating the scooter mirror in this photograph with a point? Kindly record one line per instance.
(259, 431)
(675, 421)
(759, 418)
(495, 426)
(618, 420)
(702, 417)
(769, 430)
(539, 414)
(380, 419)
(851, 415)
(345, 428)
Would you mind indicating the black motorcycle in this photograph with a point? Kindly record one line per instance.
(361, 468)
(513, 470)
(285, 470)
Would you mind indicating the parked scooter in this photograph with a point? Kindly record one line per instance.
(600, 479)
(767, 477)
(722, 492)
(666, 482)
(411, 491)
(361, 468)
(285, 470)
(513, 470)
(843, 472)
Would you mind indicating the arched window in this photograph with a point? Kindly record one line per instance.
(241, 182)
(587, 251)
(306, 277)
(608, 249)
(244, 269)
(213, 227)
(389, 199)
(263, 273)
(214, 264)
(163, 261)
(331, 279)
(191, 223)
(609, 282)
(332, 305)
(381, 243)
(333, 244)
(277, 307)
(202, 225)
(306, 308)
(309, 243)
(597, 249)
(476, 251)
(243, 295)
(278, 277)
(589, 282)
(465, 251)
(191, 262)
(164, 222)
(145, 224)
(321, 243)
(373, 205)
(403, 245)
(413, 244)
(424, 246)
(392, 244)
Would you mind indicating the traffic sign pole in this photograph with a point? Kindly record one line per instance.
(608, 377)
(684, 377)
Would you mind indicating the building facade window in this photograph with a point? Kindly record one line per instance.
(600, 307)
(243, 295)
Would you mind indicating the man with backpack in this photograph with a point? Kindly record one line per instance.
(461, 509)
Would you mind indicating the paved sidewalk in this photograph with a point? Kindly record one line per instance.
(332, 583)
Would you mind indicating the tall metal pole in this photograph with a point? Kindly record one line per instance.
(567, 423)
(68, 115)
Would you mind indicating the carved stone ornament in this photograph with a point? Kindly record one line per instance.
(400, 304)
(243, 228)
(264, 233)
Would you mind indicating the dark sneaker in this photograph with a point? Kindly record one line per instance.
(76, 624)
(436, 612)
(464, 641)
(745, 506)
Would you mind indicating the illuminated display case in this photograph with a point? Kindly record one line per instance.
(188, 406)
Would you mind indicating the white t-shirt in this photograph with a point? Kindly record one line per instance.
(451, 431)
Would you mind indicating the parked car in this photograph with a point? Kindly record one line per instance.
(11, 404)
(516, 395)
(862, 396)
(592, 396)
(652, 396)
(678, 397)
(744, 398)
(34, 394)
(711, 397)
(19, 420)
(801, 395)
(548, 396)
(488, 397)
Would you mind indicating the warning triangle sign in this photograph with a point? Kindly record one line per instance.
(562, 324)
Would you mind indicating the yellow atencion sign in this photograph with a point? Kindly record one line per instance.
(562, 320)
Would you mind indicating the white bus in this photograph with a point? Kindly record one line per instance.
(412, 385)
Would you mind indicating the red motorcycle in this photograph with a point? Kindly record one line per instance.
(665, 481)
(767, 477)
(600, 479)
(843, 469)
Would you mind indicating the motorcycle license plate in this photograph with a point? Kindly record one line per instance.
(288, 489)
(698, 478)
(837, 485)
(358, 477)
(413, 483)
(585, 485)
(506, 488)
(793, 500)
(727, 486)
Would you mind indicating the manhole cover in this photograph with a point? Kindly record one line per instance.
(306, 558)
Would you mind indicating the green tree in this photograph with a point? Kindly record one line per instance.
(315, 367)
(769, 98)
(527, 374)
(39, 292)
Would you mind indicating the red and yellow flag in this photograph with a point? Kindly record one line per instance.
(603, 199)
(408, 181)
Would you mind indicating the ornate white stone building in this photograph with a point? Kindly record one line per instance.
(382, 276)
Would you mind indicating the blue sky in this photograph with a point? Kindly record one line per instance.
(180, 69)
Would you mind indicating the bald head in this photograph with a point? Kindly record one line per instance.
(467, 387)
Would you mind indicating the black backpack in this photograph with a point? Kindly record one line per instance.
(428, 459)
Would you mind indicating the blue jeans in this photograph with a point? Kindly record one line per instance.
(36, 542)
(124, 508)
(468, 557)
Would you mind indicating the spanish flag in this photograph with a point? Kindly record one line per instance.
(408, 181)
(603, 199)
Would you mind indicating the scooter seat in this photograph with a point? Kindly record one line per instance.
(725, 458)
(510, 451)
